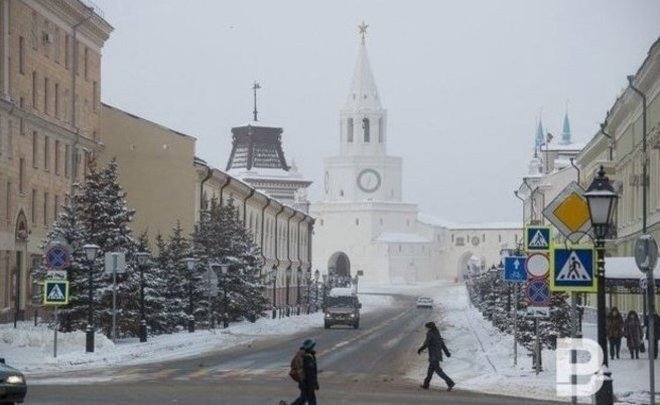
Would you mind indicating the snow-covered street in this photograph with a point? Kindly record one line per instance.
(482, 356)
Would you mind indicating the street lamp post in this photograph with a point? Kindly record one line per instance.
(142, 259)
(602, 199)
(325, 282)
(224, 268)
(91, 251)
(308, 280)
(288, 280)
(317, 274)
(298, 277)
(191, 262)
(273, 277)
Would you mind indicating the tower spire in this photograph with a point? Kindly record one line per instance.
(255, 87)
(363, 30)
(566, 129)
(363, 93)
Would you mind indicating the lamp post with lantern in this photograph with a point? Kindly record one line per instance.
(91, 251)
(317, 274)
(288, 281)
(142, 260)
(298, 278)
(224, 268)
(273, 279)
(191, 262)
(602, 201)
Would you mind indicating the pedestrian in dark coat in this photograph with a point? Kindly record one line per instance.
(656, 329)
(632, 330)
(436, 346)
(309, 382)
(614, 331)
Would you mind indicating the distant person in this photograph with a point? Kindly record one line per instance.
(656, 329)
(435, 345)
(614, 331)
(307, 376)
(632, 330)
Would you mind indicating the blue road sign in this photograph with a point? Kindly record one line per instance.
(514, 269)
(573, 269)
(538, 292)
(537, 238)
(56, 292)
(57, 258)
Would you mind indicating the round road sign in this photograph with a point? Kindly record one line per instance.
(57, 258)
(537, 265)
(538, 292)
(646, 253)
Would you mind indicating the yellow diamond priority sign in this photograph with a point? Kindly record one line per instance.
(569, 212)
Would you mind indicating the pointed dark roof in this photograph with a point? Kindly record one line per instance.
(257, 146)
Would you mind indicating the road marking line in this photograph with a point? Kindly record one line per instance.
(202, 372)
(163, 373)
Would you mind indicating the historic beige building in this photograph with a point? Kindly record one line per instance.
(619, 149)
(155, 170)
(50, 83)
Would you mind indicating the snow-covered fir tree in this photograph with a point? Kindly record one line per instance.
(106, 217)
(155, 286)
(68, 230)
(221, 238)
(170, 258)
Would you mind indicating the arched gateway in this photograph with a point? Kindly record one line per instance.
(339, 265)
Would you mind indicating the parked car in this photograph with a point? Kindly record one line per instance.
(12, 384)
(424, 302)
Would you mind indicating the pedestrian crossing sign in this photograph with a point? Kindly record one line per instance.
(56, 292)
(573, 269)
(537, 238)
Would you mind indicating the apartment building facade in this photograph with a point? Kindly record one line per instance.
(50, 83)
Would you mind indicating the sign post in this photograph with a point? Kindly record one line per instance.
(56, 286)
(646, 258)
(115, 262)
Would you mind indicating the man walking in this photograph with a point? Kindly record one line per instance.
(436, 345)
(308, 383)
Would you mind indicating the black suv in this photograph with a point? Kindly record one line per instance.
(12, 384)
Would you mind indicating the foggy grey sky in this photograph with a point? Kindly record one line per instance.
(463, 81)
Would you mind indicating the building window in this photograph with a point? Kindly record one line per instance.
(76, 58)
(380, 130)
(46, 153)
(34, 89)
(57, 157)
(8, 201)
(95, 96)
(365, 130)
(56, 206)
(349, 130)
(35, 149)
(46, 95)
(35, 36)
(2, 133)
(499, 238)
(357, 221)
(483, 237)
(341, 193)
(67, 51)
(21, 120)
(67, 157)
(46, 208)
(57, 40)
(86, 62)
(21, 175)
(407, 222)
(381, 221)
(57, 100)
(10, 139)
(460, 241)
(21, 55)
(33, 210)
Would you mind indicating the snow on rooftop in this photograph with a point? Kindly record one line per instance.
(434, 221)
(259, 124)
(625, 268)
(396, 237)
(264, 173)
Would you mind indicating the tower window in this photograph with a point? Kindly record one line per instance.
(349, 130)
(380, 130)
(365, 129)
(357, 221)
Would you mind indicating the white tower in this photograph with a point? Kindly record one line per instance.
(363, 171)
(362, 223)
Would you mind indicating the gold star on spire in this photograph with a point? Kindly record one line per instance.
(363, 30)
